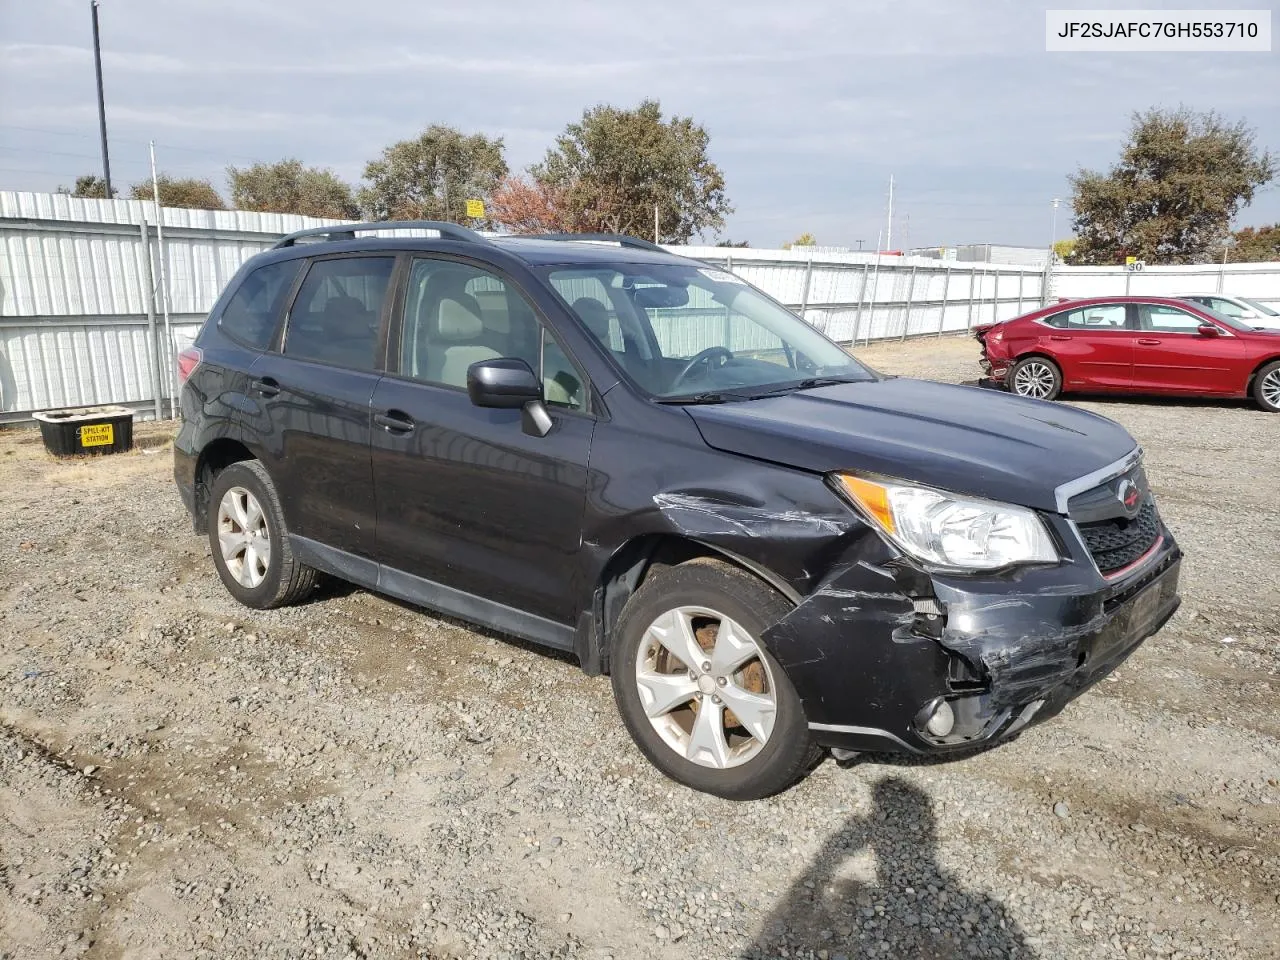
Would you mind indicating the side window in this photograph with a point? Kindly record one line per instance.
(250, 315)
(1226, 306)
(1107, 316)
(1162, 319)
(562, 384)
(338, 312)
(456, 315)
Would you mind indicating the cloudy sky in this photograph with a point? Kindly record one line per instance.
(810, 105)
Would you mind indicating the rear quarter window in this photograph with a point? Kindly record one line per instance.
(251, 314)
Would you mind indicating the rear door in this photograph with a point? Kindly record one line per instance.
(467, 500)
(1094, 345)
(310, 417)
(1174, 357)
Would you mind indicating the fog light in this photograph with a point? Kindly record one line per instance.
(942, 720)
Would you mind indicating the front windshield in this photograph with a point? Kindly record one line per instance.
(1262, 308)
(688, 332)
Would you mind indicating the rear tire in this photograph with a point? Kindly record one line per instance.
(682, 715)
(1266, 387)
(1036, 377)
(250, 541)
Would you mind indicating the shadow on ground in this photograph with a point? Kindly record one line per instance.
(914, 909)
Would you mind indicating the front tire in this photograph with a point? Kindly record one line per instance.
(250, 541)
(1036, 377)
(1266, 387)
(700, 695)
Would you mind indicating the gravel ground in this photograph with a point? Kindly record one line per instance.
(180, 776)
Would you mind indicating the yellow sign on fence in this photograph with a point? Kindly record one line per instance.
(475, 208)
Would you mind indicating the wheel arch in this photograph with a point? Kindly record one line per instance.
(628, 568)
(215, 457)
(1253, 374)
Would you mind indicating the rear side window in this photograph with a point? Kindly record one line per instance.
(337, 315)
(250, 315)
(1110, 316)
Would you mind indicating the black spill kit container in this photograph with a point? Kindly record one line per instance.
(86, 430)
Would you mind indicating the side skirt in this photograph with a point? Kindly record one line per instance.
(436, 596)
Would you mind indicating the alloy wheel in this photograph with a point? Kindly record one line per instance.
(706, 687)
(1271, 389)
(1034, 379)
(244, 537)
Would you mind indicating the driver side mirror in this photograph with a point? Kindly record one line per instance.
(1207, 330)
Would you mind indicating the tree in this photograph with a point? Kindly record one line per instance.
(1182, 176)
(804, 240)
(286, 186)
(432, 177)
(523, 205)
(1065, 248)
(615, 166)
(732, 243)
(1256, 245)
(89, 187)
(180, 192)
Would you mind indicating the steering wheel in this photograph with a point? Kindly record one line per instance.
(701, 357)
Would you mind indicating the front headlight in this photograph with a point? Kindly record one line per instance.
(950, 530)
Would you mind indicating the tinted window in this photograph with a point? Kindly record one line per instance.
(337, 314)
(1224, 306)
(562, 384)
(456, 315)
(250, 315)
(1162, 319)
(1108, 316)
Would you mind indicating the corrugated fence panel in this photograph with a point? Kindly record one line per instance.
(73, 294)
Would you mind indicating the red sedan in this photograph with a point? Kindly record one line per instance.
(1155, 345)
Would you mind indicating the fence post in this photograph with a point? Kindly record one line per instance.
(728, 262)
(1022, 282)
(804, 296)
(973, 280)
(1128, 275)
(862, 292)
(911, 293)
(875, 295)
(995, 299)
(946, 284)
(147, 281)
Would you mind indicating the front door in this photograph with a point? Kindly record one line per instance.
(468, 500)
(1172, 356)
(312, 397)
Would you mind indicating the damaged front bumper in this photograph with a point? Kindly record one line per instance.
(881, 649)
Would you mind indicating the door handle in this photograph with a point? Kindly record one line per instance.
(265, 386)
(1058, 336)
(1148, 342)
(393, 421)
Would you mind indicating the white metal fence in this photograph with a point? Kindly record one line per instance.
(82, 310)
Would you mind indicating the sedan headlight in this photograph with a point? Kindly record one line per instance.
(949, 530)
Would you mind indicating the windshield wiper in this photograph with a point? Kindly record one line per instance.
(704, 398)
(808, 384)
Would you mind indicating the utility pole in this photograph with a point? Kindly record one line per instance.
(1053, 230)
(859, 243)
(102, 105)
(888, 235)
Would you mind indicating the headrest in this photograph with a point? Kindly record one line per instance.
(595, 316)
(456, 321)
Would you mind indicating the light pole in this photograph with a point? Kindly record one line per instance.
(102, 106)
(1053, 228)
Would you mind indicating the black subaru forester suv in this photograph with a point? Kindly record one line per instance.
(594, 444)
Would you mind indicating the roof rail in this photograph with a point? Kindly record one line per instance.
(347, 231)
(620, 239)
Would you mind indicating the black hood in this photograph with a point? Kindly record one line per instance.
(968, 440)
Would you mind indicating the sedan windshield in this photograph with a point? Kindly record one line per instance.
(698, 334)
(1262, 308)
(1231, 323)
